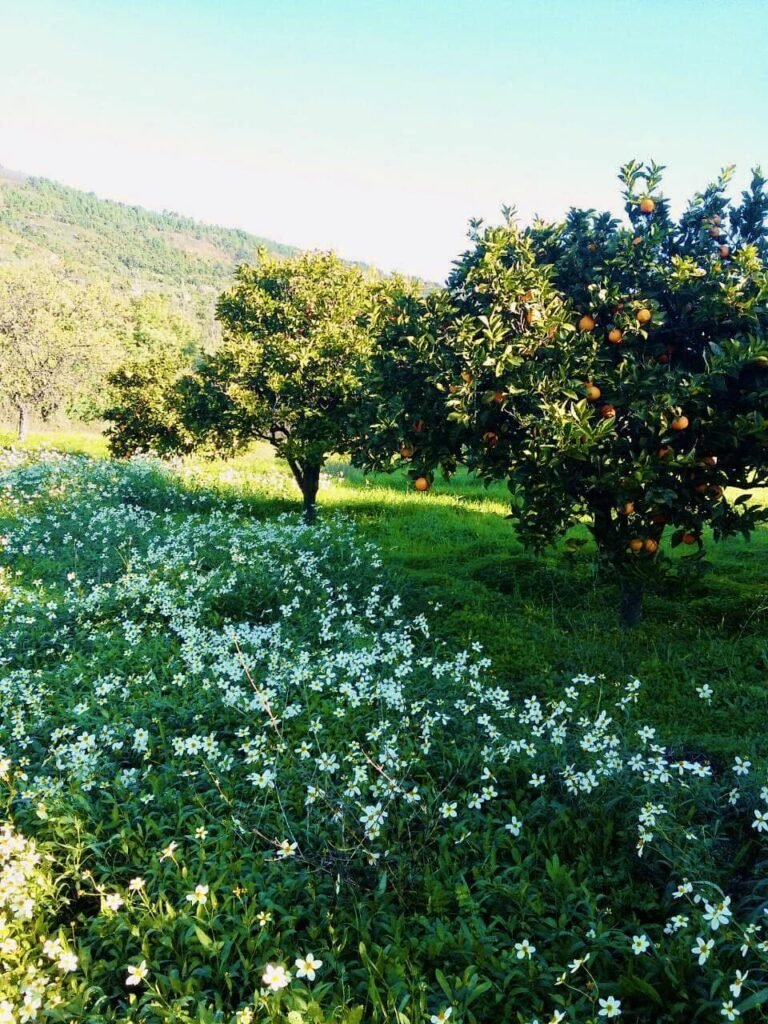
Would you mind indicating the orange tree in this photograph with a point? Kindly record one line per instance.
(403, 416)
(291, 371)
(616, 373)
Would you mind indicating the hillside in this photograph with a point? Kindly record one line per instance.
(128, 246)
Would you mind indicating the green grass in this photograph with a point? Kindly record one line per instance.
(540, 618)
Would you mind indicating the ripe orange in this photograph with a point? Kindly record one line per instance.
(466, 377)
(592, 247)
(406, 452)
(636, 544)
(643, 315)
(498, 396)
(715, 232)
(614, 336)
(664, 451)
(453, 388)
(651, 546)
(663, 358)
(710, 460)
(679, 423)
(490, 440)
(716, 219)
(587, 323)
(647, 206)
(725, 251)
(637, 240)
(627, 508)
(421, 483)
(592, 393)
(688, 538)
(418, 426)
(608, 412)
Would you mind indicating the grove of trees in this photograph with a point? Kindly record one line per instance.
(611, 372)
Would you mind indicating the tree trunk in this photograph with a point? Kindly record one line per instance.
(309, 488)
(631, 602)
(23, 423)
(307, 476)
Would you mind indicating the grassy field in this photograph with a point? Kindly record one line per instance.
(455, 557)
(393, 748)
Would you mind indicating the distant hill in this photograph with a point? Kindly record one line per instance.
(132, 248)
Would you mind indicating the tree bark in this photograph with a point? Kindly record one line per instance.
(309, 489)
(631, 602)
(23, 428)
(307, 476)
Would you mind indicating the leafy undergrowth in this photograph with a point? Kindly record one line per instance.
(243, 783)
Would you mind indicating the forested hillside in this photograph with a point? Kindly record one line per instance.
(127, 245)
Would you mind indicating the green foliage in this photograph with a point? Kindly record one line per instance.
(584, 346)
(55, 337)
(145, 413)
(293, 365)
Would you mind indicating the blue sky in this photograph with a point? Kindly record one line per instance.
(379, 128)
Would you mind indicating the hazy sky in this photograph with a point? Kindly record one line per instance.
(379, 128)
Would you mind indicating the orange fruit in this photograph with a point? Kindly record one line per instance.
(643, 315)
(466, 377)
(421, 483)
(710, 460)
(614, 336)
(627, 508)
(647, 205)
(716, 219)
(663, 358)
(637, 240)
(688, 538)
(725, 251)
(490, 440)
(418, 426)
(592, 393)
(608, 412)
(592, 247)
(715, 232)
(651, 546)
(664, 451)
(406, 452)
(636, 544)
(679, 423)
(587, 323)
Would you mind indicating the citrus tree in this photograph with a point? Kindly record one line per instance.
(57, 336)
(145, 413)
(404, 416)
(618, 372)
(612, 373)
(291, 371)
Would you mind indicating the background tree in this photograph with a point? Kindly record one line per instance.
(54, 336)
(403, 415)
(291, 371)
(619, 373)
